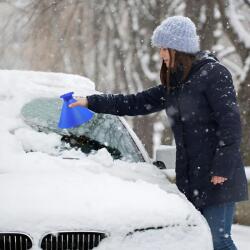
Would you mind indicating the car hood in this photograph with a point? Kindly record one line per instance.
(49, 193)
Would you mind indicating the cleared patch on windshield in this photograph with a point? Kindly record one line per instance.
(103, 131)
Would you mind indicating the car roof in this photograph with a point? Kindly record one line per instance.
(14, 82)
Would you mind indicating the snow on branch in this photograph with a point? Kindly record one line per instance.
(236, 24)
(238, 71)
(245, 70)
(224, 52)
(247, 2)
(145, 66)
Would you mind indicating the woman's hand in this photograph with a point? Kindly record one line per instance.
(218, 180)
(80, 101)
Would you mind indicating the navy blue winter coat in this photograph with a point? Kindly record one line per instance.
(205, 120)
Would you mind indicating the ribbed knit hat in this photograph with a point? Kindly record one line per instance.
(178, 33)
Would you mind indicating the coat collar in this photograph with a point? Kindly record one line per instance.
(202, 58)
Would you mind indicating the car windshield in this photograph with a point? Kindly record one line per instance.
(102, 131)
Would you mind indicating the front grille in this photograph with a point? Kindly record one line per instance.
(72, 241)
(14, 241)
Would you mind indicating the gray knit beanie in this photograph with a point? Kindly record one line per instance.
(178, 33)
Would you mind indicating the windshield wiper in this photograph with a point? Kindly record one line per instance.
(87, 144)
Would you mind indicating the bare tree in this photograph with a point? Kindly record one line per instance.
(134, 52)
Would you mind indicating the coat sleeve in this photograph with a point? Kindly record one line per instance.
(142, 103)
(221, 96)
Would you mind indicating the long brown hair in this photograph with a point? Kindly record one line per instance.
(179, 58)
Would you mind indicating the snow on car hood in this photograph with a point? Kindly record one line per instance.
(41, 192)
(53, 192)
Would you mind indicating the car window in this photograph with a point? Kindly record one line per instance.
(102, 130)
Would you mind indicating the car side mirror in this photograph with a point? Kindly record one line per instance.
(166, 155)
(159, 164)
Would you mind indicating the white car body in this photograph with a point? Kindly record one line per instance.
(45, 191)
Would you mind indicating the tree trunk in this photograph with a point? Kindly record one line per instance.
(167, 136)
(144, 128)
(206, 28)
(244, 103)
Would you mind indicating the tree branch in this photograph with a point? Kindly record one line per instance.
(231, 33)
(247, 2)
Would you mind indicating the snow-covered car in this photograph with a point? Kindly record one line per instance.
(93, 186)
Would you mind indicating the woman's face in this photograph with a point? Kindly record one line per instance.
(165, 56)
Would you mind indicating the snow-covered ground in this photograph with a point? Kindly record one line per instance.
(241, 236)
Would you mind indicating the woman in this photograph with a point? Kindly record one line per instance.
(198, 95)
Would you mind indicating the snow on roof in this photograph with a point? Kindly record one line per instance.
(19, 87)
